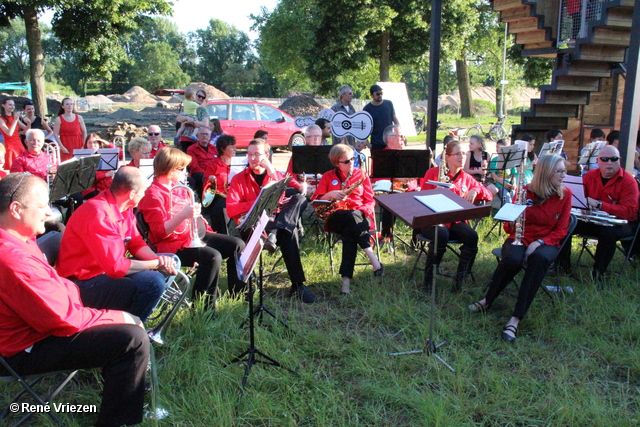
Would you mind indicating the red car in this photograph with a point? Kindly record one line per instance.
(243, 118)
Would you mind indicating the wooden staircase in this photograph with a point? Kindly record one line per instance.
(579, 69)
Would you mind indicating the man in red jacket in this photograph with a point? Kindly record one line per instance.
(613, 190)
(44, 327)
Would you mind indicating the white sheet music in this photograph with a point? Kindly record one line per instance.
(439, 203)
(509, 212)
(247, 260)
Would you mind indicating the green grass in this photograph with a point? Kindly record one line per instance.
(576, 362)
(453, 121)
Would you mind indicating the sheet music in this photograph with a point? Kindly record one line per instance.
(238, 163)
(438, 203)
(511, 154)
(590, 152)
(247, 260)
(439, 184)
(509, 212)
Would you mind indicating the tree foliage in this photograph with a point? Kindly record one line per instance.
(158, 66)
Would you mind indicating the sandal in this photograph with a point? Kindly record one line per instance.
(476, 307)
(345, 289)
(508, 338)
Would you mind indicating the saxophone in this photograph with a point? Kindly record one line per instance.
(324, 211)
(443, 171)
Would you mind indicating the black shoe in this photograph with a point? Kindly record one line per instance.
(508, 338)
(304, 294)
(379, 272)
(270, 243)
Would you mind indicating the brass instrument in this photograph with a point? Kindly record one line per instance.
(599, 218)
(118, 142)
(174, 296)
(324, 211)
(193, 227)
(52, 150)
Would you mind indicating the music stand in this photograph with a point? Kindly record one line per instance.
(416, 214)
(246, 263)
(508, 157)
(554, 147)
(311, 159)
(267, 201)
(73, 176)
(591, 151)
(578, 197)
(391, 164)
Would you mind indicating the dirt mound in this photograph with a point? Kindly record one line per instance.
(175, 99)
(301, 105)
(118, 98)
(136, 90)
(211, 91)
(153, 110)
(125, 114)
(142, 99)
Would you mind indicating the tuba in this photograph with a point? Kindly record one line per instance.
(192, 222)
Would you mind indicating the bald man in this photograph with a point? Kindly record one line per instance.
(155, 138)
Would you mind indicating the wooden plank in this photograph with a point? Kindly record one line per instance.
(523, 25)
(554, 110)
(611, 37)
(566, 97)
(619, 18)
(588, 68)
(501, 5)
(536, 36)
(509, 15)
(602, 53)
(577, 83)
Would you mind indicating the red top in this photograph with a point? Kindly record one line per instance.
(155, 207)
(34, 164)
(360, 199)
(12, 143)
(200, 158)
(154, 151)
(3, 173)
(97, 238)
(36, 303)
(244, 190)
(71, 136)
(619, 196)
(220, 170)
(294, 182)
(547, 220)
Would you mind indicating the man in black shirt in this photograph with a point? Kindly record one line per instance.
(383, 115)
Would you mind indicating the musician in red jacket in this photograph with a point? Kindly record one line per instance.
(244, 190)
(45, 327)
(169, 214)
(202, 153)
(33, 159)
(467, 187)
(350, 189)
(545, 224)
(613, 190)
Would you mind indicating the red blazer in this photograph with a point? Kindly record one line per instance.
(97, 239)
(154, 151)
(547, 220)
(244, 190)
(619, 196)
(34, 164)
(35, 302)
(200, 158)
(361, 199)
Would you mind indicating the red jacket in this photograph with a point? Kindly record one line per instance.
(548, 220)
(361, 199)
(34, 164)
(220, 170)
(97, 238)
(294, 182)
(244, 190)
(200, 158)
(462, 184)
(154, 151)
(619, 196)
(36, 303)
(155, 207)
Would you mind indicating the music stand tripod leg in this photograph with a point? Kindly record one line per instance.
(431, 349)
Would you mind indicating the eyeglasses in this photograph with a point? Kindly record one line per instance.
(154, 133)
(612, 159)
(561, 171)
(254, 155)
(346, 162)
(377, 93)
(201, 96)
(15, 190)
(145, 153)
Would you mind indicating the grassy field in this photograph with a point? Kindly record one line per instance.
(453, 121)
(576, 361)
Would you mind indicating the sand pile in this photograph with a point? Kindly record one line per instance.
(211, 91)
(125, 114)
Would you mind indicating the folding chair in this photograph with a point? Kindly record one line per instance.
(422, 242)
(554, 267)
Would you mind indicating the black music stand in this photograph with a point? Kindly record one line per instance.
(417, 215)
(74, 176)
(250, 255)
(312, 159)
(267, 201)
(391, 164)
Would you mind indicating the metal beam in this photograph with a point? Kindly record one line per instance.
(631, 100)
(434, 73)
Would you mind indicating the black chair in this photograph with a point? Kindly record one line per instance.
(49, 244)
(422, 242)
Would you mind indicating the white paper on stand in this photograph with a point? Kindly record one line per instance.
(438, 203)
(247, 260)
(509, 212)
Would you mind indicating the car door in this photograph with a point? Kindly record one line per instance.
(220, 111)
(244, 123)
(275, 122)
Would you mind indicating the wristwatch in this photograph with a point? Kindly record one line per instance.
(598, 204)
(541, 242)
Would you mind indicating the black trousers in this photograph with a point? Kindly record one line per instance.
(215, 215)
(285, 226)
(353, 227)
(122, 351)
(460, 231)
(512, 258)
(209, 259)
(606, 248)
(386, 222)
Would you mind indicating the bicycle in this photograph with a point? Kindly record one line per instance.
(420, 123)
(496, 131)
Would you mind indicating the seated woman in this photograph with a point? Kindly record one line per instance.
(467, 187)
(545, 224)
(217, 174)
(353, 215)
(500, 179)
(169, 230)
(103, 178)
(139, 148)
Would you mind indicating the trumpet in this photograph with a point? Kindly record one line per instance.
(174, 209)
(118, 142)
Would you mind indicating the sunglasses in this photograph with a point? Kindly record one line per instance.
(609, 159)
(377, 93)
(346, 162)
(201, 96)
(154, 133)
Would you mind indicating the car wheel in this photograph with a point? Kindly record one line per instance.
(296, 139)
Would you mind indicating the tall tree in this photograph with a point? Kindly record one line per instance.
(90, 27)
(157, 67)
